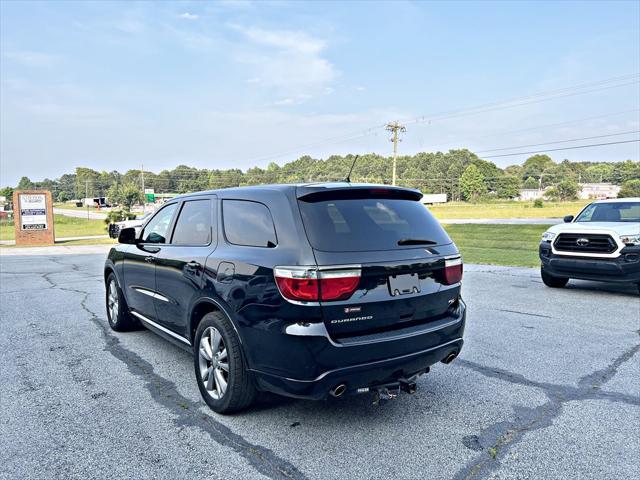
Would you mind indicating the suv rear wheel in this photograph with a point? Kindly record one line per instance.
(223, 379)
(551, 281)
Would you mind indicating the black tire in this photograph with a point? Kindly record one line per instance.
(240, 390)
(551, 281)
(119, 318)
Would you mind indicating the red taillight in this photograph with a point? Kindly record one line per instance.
(338, 285)
(452, 273)
(309, 285)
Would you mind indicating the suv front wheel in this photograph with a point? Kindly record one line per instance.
(221, 372)
(551, 281)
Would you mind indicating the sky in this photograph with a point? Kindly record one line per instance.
(237, 84)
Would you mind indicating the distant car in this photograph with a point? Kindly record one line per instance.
(602, 243)
(309, 291)
(114, 228)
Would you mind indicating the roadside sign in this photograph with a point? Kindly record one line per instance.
(149, 195)
(33, 212)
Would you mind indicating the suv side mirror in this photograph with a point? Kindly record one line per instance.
(568, 219)
(128, 236)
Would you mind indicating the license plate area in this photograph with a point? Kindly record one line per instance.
(404, 284)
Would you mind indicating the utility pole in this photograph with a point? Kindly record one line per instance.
(394, 128)
(143, 197)
(86, 196)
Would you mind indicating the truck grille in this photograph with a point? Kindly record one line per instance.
(585, 243)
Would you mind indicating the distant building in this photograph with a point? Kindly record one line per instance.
(528, 194)
(431, 198)
(598, 191)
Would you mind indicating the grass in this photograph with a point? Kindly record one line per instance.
(64, 227)
(515, 245)
(506, 209)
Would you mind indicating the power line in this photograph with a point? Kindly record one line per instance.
(558, 141)
(537, 127)
(558, 149)
(496, 105)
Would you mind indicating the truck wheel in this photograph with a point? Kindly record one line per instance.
(117, 311)
(221, 372)
(551, 281)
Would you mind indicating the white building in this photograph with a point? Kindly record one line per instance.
(598, 191)
(528, 194)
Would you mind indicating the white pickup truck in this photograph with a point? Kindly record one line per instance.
(601, 243)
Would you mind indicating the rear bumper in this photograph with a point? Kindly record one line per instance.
(372, 374)
(623, 269)
(317, 364)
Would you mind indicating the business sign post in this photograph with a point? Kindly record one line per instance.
(33, 216)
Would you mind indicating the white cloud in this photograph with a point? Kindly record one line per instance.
(291, 62)
(32, 59)
(189, 16)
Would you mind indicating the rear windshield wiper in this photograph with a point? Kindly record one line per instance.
(416, 241)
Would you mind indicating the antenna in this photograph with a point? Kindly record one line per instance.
(348, 178)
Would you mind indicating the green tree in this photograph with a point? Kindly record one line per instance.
(536, 165)
(7, 192)
(530, 183)
(126, 195)
(508, 187)
(565, 190)
(25, 184)
(630, 188)
(472, 183)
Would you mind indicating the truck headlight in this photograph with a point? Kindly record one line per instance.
(548, 236)
(630, 239)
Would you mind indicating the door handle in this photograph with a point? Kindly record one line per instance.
(149, 259)
(193, 265)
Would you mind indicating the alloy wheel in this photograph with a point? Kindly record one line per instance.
(213, 361)
(112, 301)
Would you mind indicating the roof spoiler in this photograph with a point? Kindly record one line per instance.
(320, 193)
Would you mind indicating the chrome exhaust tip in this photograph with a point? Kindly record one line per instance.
(338, 390)
(449, 358)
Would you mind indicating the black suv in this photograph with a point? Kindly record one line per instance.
(301, 290)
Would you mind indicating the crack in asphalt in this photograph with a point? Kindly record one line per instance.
(523, 313)
(497, 439)
(188, 414)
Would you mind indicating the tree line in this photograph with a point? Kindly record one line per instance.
(461, 174)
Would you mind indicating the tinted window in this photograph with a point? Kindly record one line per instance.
(248, 223)
(368, 224)
(156, 230)
(193, 226)
(611, 212)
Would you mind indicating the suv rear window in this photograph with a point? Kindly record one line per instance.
(368, 224)
(248, 223)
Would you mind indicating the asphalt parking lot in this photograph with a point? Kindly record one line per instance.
(547, 386)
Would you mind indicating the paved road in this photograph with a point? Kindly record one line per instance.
(503, 221)
(547, 387)
(80, 213)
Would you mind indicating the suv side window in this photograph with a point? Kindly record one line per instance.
(158, 227)
(193, 226)
(248, 223)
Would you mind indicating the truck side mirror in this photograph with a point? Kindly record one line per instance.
(568, 219)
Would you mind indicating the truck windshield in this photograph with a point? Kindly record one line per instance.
(365, 224)
(611, 212)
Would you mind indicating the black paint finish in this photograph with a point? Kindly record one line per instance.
(296, 349)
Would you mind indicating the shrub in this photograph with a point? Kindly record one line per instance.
(630, 188)
(538, 203)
